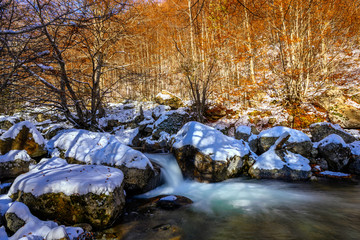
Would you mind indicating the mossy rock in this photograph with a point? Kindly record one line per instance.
(24, 140)
(100, 211)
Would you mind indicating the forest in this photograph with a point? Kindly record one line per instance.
(158, 119)
(77, 56)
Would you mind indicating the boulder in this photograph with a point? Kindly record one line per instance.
(205, 154)
(21, 222)
(170, 122)
(320, 131)
(335, 151)
(13, 222)
(278, 163)
(214, 113)
(85, 147)
(23, 136)
(169, 99)
(341, 110)
(298, 141)
(14, 163)
(72, 193)
(243, 133)
(354, 166)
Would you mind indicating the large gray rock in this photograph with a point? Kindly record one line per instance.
(340, 109)
(321, 130)
(169, 99)
(23, 136)
(171, 122)
(72, 193)
(277, 163)
(354, 166)
(13, 222)
(14, 163)
(335, 151)
(298, 141)
(205, 154)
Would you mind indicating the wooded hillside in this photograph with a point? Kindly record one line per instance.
(79, 55)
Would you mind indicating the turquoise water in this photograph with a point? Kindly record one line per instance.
(249, 209)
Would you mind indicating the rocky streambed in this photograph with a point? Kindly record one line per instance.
(80, 181)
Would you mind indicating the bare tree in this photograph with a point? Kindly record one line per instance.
(55, 29)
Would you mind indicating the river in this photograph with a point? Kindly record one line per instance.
(248, 209)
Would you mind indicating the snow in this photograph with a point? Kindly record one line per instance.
(270, 160)
(3, 235)
(5, 203)
(14, 131)
(355, 148)
(297, 162)
(244, 129)
(13, 155)
(163, 96)
(210, 142)
(295, 135)
(35, 228)
(96, 148)
(168, 198)
(332, 138)
(126, 136)
(57, 233)
(335, 174)
(4, 185)
(53, 176)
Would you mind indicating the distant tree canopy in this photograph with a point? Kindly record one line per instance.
(78, 55)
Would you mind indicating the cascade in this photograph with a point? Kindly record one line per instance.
(238, 194)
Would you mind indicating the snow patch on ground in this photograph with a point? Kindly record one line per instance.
(210, 142)
(54, 176)
(13, 155)
(96, 148)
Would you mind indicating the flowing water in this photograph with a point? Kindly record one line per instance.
(252, 209)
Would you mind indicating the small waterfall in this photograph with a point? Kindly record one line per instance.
(170, 169)
(228, 196)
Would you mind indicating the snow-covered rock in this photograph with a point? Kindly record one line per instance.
(14, 163)
(169, 99)
(321, 130)
(298, 142)
(23, 224)
(23, 136)
(354, 166)
(281, 164)
(71, 193)
(335, 151)
(85, 147)
(206, 154)
(6, 122)
(243, 133)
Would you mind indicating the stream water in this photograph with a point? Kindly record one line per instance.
(250, 209)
